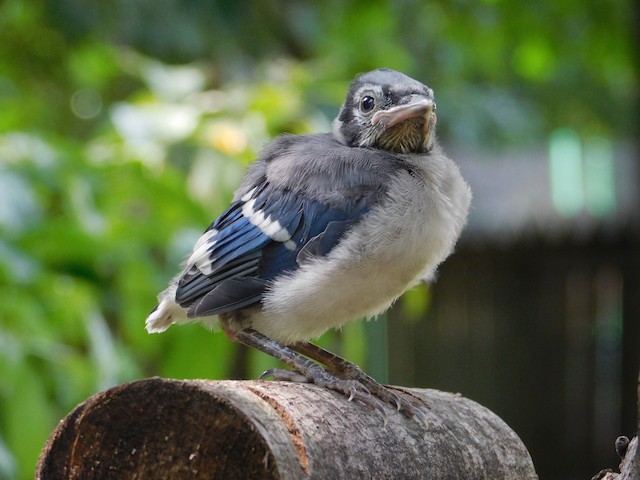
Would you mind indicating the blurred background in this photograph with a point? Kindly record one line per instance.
(126, 125)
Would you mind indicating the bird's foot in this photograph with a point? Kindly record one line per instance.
(349, 371)
(352, 389)
(340, 375)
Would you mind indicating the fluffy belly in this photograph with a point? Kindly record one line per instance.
(396, 245)
(329, 292)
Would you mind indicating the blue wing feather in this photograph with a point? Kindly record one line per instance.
(200, 285)
(233, 213)
(240, 258)
(250, 240)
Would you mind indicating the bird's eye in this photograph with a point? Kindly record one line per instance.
(367, 103)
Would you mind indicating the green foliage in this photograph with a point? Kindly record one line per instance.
(112, 161)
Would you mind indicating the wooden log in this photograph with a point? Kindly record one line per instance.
(630, 465)
(159, 428)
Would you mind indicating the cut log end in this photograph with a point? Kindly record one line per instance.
(158, 428)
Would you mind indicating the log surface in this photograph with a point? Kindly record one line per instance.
(159, 428)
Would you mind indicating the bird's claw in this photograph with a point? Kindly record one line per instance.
(368, 392)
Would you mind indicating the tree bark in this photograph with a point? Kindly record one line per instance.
(159, 428)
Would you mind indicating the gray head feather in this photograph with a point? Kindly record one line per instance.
(387, 110)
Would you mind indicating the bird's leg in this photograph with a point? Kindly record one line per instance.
(344, 369)
(308, 370)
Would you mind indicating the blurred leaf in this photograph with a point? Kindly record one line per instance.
(27, 419)
(193, 352)
(7, 463)
(415, 302)
(94, 65)
(534, 59)
(354, 347)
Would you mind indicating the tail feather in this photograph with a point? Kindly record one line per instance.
(166, 313)
(160, 318)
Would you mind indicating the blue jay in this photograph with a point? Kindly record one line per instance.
(324, 229)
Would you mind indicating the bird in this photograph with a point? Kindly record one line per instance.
(326, 228)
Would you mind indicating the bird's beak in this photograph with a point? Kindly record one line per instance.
(417, 107)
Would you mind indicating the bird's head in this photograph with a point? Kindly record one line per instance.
(386, 109)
